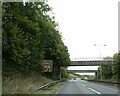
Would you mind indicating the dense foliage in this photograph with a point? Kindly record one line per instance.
(29, 35)
(111, 72)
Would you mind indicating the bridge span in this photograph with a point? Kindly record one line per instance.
(91, 62)
(94, 61)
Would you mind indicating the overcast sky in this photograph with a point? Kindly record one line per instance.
(84, 23)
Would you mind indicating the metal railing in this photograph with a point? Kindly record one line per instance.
(91, 59)
(116, 83)
(49, 85)
(45, 86)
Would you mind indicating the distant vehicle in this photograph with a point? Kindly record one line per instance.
(74, 78)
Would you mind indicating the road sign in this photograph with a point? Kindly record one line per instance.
(47, 65)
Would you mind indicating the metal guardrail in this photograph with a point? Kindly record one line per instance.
(105, 81)
(49, 85)
(110, 82)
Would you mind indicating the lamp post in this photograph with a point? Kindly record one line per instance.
(100, 57)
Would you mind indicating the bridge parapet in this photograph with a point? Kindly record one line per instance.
(91, 59)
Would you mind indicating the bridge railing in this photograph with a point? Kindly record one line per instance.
(91, 59)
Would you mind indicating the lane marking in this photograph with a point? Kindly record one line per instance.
(95, 91)
(83, 85)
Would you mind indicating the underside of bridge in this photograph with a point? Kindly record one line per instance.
(83, 71)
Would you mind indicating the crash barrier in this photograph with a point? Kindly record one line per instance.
(115, 83)
(49, 84)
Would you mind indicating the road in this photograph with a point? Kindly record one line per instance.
(84, 87)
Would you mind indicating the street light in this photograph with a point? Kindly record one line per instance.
(100, 56)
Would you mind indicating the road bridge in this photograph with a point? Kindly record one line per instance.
(91, 62)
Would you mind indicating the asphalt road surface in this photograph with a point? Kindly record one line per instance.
(84, 87)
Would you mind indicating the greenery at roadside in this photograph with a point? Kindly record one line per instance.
(111, 72)
(73, 75)
(31, 35)
(91, 77)
(19, 84)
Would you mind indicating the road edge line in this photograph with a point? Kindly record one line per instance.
(57, 92)
(83, 85)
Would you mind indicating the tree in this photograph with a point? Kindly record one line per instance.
(111, 72)
(106, 70)
(116, 68)
(29, 36)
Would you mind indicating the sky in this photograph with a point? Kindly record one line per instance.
(84, 23)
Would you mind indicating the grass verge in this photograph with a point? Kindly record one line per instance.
(17, 84)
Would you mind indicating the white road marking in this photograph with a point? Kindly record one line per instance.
(95, 91)
(83, 85)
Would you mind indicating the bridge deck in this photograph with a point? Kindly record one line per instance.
(91, 63)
